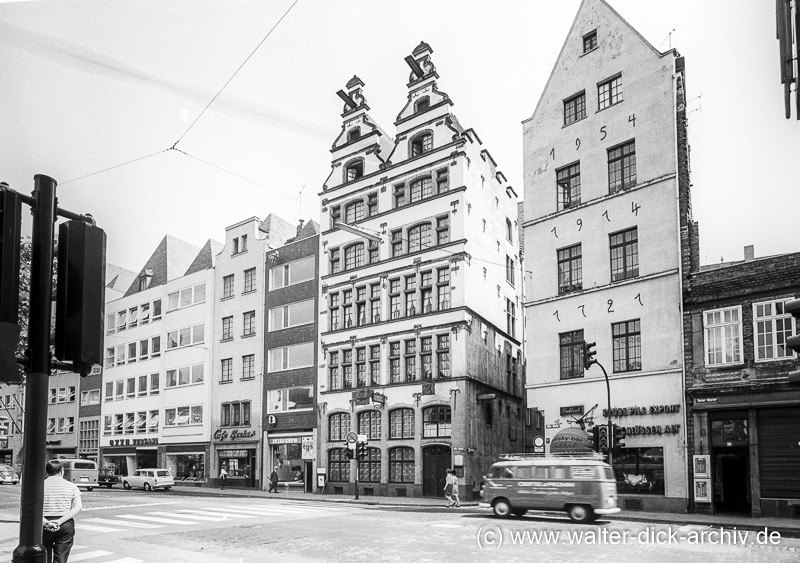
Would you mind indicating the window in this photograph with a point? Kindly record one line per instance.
(186, 337)
(291, 357)
(421, 144)
(401, 423)
(353, 212)
(354, 171)
(609, 92)
(53, 397)
(90, 397)
(122, 320)
(292, 272)
(399, 195)
(426, 358)
(394, 362)
(183, 416)
(338, 465)
(511, 318)
(249, 323)
(243, 248)
(442, 181)
(236, 413)
(249, 280)
(374, 252)
(361, 367)
(369, 468)
(375, 364)
(627, 345)
(436, 422)
(354, 134)
(723, 331)
(443, 355)
(354, 256)
(335, 374)
(111, 323)
(397, 243)
(568, 186)
(293, 314)
(571, 353)
(333, 311)
(422, 104)
(443, 288)
(622, 167)
(369, 423)
(647, 464)
(156, 309)
(372, 205)
(347, 368)
(419, 237)
(144, 314)
(410, 357)
(152, 422)
(421, 189)
(336, 215)
(335, 264)
(143, 349)
(227, 328)
(132, 352)
(290, 399)
(188, 375)
(248, 366)
(590, 41)
(154, 385)
(575, 108)
(509, 269)
(442, 230)
(226, 373)
(227, 286)
(401, 465)
(771, 327)
(142, 391)
(186, 297)
(338, 426)
(509, 231)
(133, 317)
(624, 254)
(570, 269)
(155, 346)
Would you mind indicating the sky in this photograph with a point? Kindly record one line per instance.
(110, 98)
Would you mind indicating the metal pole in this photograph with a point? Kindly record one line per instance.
(30, 548)
(356, 473)
(610, 425)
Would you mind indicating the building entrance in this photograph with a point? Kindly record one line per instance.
(731, 462)
(435, 462)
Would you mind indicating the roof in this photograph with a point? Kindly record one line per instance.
(170, 260)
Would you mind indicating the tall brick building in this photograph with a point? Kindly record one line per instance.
(608, 212)
(744, 422)
(420, 330)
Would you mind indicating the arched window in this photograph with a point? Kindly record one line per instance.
(354, 256)
(421, 144)
(401, 465)
(354, 170)
(338, 465)
(436, 422)
(421, 189)
(338, 426)
(401, 423)
(369, 468)
(419, 237)
(354, 211)
(509, 230)
(369, 423)
(422, 104)
(353, 134)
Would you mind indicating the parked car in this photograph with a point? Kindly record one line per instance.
(107, 479)
(149, 479)
(8, 475)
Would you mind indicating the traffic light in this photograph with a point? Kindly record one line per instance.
(348, 449)
(10, 225)
(361, 450)
(793, 342)
(588, 354)
(619, 436)
(602, 438)
(596, 438)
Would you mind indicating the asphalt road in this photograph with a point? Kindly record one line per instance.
(137, 527)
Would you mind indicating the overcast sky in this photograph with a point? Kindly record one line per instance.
(87, 86)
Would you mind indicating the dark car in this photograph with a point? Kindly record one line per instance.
(107, 479)
(8, 475)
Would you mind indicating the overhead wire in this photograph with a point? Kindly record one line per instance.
(115, 166)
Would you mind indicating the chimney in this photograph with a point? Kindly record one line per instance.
(749, 253)
(300, 227)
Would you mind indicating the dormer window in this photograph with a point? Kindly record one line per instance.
(422, 105)
(354, 170)
(144, 279)
(421, 144)
(354, 134)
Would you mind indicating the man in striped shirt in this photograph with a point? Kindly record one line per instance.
(62, 501)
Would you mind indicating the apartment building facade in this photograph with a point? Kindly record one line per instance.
(420, 338)
(607, 210)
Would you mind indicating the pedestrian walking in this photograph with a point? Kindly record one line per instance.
(62, 501)
(223, 477)
(448, 489)
(273, 480)
(454, 490)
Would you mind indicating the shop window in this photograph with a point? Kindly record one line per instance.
(639, 471)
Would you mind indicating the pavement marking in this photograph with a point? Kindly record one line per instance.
(128, 506)
(127, 560)
(190, 516)
(89, 528)
(122, 523)
(154, 519)
(213, 513)
(89, 555)
(304, 508)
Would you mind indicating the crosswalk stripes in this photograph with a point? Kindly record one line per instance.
(78, 554)
(122, 523)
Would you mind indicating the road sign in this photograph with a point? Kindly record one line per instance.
(351, 437)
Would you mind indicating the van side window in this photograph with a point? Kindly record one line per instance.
(502, 473)
(583, 472)
(523, 472)
(559, 472)
(540, 472)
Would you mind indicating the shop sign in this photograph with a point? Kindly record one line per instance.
(707, 400)
(293, 440)
(657, 429)
(222, 435)
(232, 453)
(642, 411)
(272, 420)
(53, 442)
(571, 410)
(133, 442)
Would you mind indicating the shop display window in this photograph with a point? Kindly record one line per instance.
(639, 471)
(187, 467)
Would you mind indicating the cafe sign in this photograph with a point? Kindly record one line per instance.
(222, 435)
(571, 410)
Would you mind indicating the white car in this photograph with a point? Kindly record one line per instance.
(149, 479)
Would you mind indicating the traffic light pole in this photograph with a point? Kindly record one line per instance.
(30, 548)
(610, 424)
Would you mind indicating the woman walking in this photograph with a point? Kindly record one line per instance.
(451, 489)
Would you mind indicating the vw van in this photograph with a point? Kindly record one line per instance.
(584, 488)
(82, 472)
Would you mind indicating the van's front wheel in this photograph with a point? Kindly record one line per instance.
(501, 508)
(580, 513)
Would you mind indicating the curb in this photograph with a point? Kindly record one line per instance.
(784, 531)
